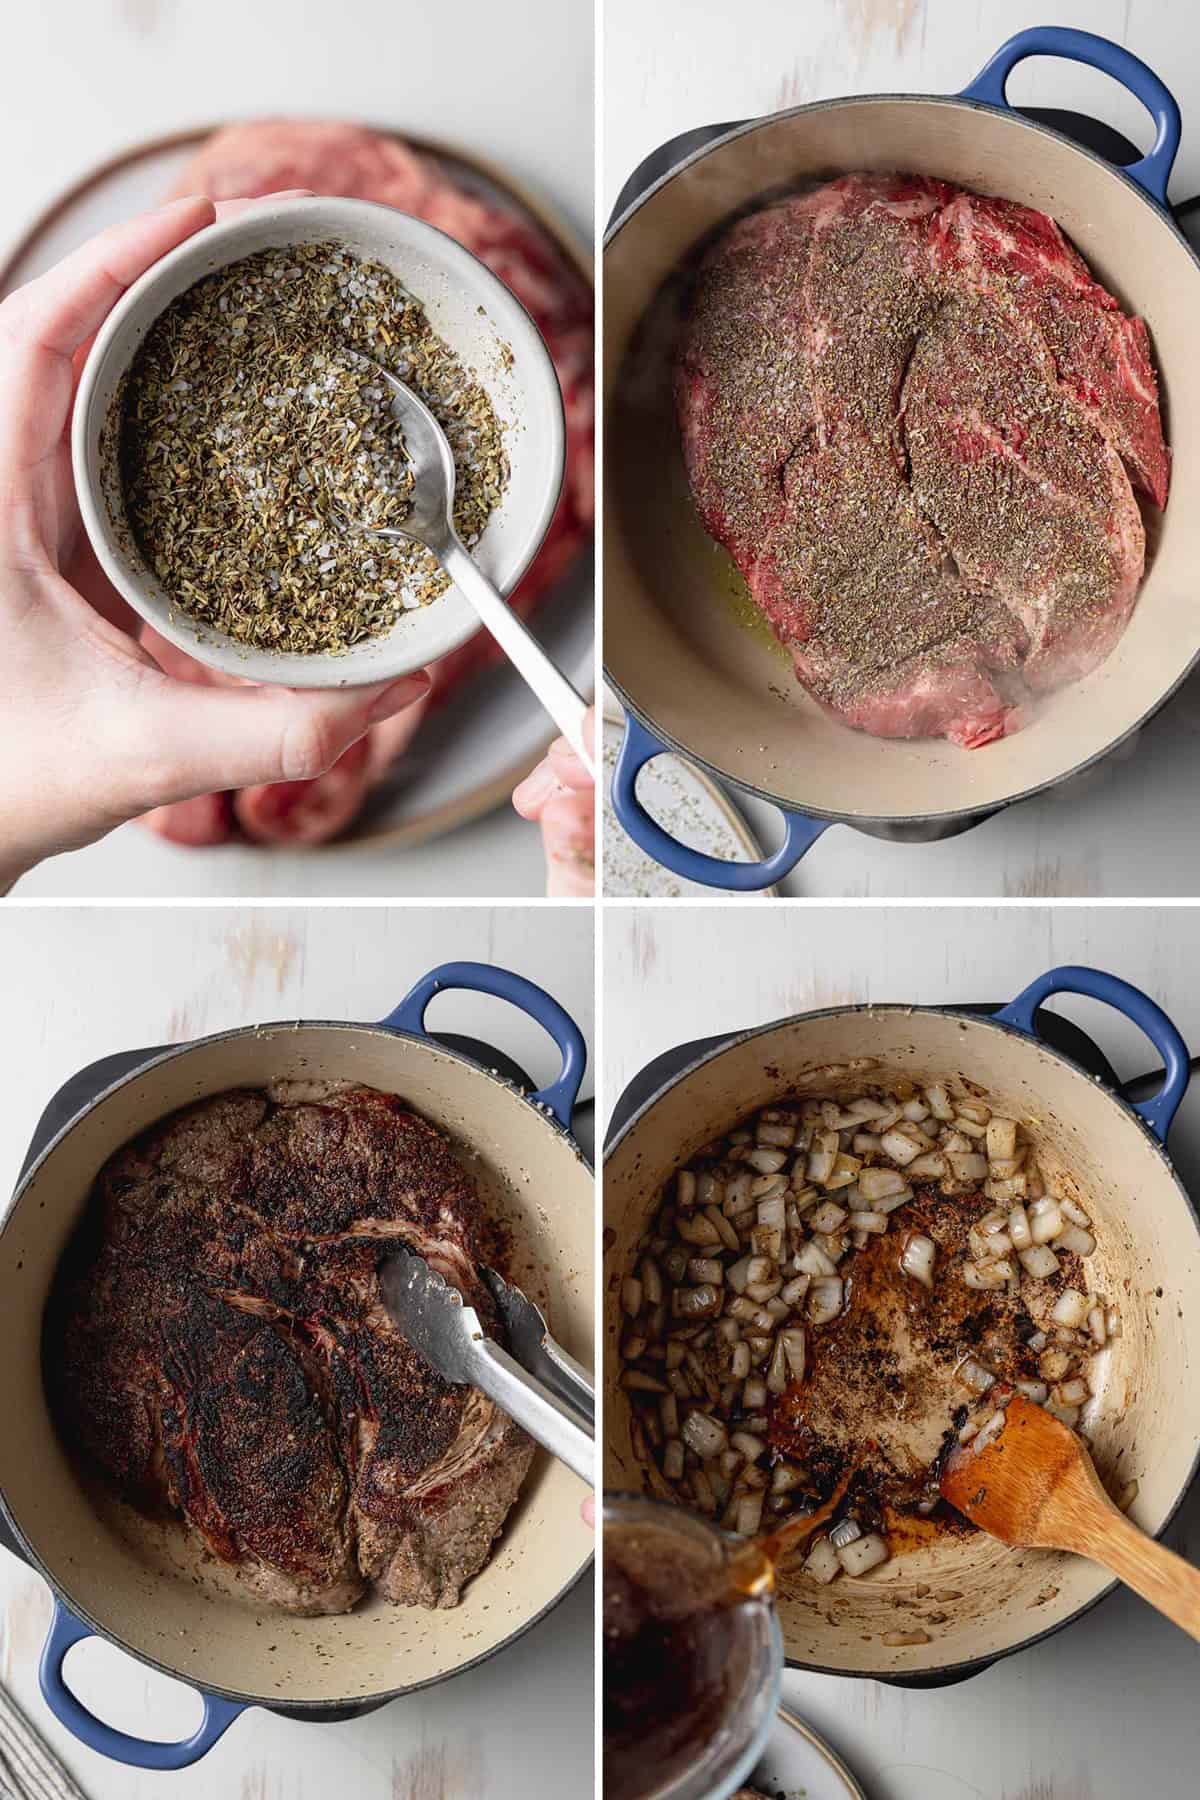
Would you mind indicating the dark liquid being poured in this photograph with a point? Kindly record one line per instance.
(678, 1651)
(682, 1641)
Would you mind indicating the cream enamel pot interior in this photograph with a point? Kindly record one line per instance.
(1147, 1419)
(472, 311)
(693, 677)
(112, 1576)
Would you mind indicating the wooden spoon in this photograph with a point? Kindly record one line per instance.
(1034, 1485)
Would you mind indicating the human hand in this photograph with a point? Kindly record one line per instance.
(92, 731)
(560, 795)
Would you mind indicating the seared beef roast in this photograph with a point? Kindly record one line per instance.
(915, 421)
(216, 1344)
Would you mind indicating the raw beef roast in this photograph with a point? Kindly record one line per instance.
(916, 423)
(217, 1346)
(331, 158)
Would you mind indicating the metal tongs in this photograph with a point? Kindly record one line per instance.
(538, 1384)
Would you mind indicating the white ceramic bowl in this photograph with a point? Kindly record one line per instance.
(467, 306)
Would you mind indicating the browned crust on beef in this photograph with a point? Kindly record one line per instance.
(217, 1348)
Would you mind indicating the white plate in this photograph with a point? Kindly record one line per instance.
(798, 1766)
(685, 801)
(470, 753)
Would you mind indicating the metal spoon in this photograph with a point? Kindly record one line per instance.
(430, 521)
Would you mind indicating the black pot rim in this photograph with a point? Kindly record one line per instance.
(315, 1707)
(941, 1673)
(864, 821)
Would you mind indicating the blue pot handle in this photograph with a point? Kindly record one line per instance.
(139, 1753)
(638, 747)
(1153, 171)
(484, 978)
(1158, 1112)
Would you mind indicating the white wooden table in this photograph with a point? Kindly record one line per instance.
(683, 63)
(1107, 1708)
(85, 982)
(87, 81)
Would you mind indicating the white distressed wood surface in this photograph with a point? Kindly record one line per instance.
(88, 79)
(1124, 830)
(1108, 1708)
(79, 983)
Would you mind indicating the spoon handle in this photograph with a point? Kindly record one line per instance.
(566, 707)
(1170, 1584)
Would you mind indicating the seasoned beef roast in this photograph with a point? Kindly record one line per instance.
(217, 1346)
(915, 421)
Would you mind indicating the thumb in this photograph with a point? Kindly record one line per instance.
(208, 739)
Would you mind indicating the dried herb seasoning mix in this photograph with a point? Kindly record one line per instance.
(254, 439)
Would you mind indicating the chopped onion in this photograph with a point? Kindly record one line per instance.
(1032, 1390)
(739, 1366)
(870, 1222)
(973, 1375)
(1071, 1210)
(697, 1302)
(899, 1147)
(1054, 1364)
(845, 1170)
(1039, 1262)
(1098, 1325)
(754, 1393)
(784, 1477)
(890, 1202)
(1001, 1138)
(749, 1515)
(766, 1162)
(812, 1260)
(685, 1188)
(777, 1375)
(939, 1101)
(931, 1165)
(878, 1184)
(1018, 1229)
(631, 1296)
(699, 1230)
(1045, 1220)
(794, 1291)
(820, 1165)
(750, 1446)
(795, 1348)
(898, 1640)
(917, 1257)
(824, 1300)
(863, 1554)
(1072, 1393)
(989, 1432)
(822, 1561)
(1068, 1414)
(1073, 1237)
(702, 1269)
(828, 1217)
(984, 1276)
(1070, 1309)
(965, 1165)
(673, 1460)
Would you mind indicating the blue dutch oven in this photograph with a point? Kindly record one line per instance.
(113, 1574)
(693, 677)
(963, 1602)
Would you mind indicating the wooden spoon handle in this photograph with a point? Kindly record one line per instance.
(1170, 1584)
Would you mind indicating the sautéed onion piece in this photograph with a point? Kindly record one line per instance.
(749, 1258)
